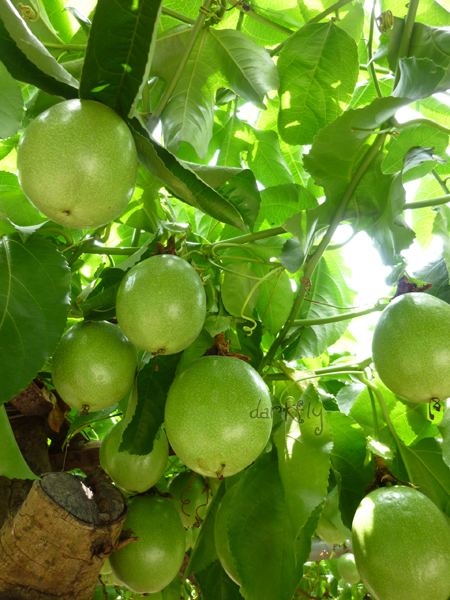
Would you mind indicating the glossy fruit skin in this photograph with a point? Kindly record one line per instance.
(94, 365)
(150, 564)
(221, 538)
(77, 164)
(347, 569)
(161, 304)
(208, 415)
(401, 544)
(133, 472)
(411, 347)
(189, 488)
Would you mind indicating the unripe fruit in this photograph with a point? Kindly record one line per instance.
(77, 164)
(218, 415)
(190, 497)
(150, 564)
(161, 304)
(221, 538)
(401, 544)
(347, 569)
(133, 472)
(411, 347)
(93, 366)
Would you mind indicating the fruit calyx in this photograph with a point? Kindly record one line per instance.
(221, 348)
(405, 286)
(383, 476)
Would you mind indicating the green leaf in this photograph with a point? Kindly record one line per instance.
(428, 11)
(83, 21)
(237, 287)
(434, 109)
(352, 21)
(281, 202)
(313, 94)
(119, 53)
(304, 444)
(215, 325)
(15, 205)
(34, 296)
(328, 164)
(27, 59)
(59, 19)
(383, 197)
(348, 458)
(365, 91)
(347, 396)
(153, 384)
(441, 228)
(408, 418)
(215, 583)
(261, 535)
(275, 299)
(328, 286)
(426, 468)
(248, 68)
(436, 273)
(12, 465)
(238, 186)
(181, 181)
(444, 429)
(11, 104)
(413, 136)
(204, 552)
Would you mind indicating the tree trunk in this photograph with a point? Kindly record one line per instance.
(55, 544)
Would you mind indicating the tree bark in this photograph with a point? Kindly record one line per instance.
(54, 546)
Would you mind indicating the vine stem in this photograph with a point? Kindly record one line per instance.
(348, 368)
(125, 250)
(405, 41)
(264, 20)
(195, 31)
(369, 53)
(440, 182)
(176, 15)
(423, 121)
(430, 202)
(248, 237)
(311, 264)
(73, 47)
(337, 318)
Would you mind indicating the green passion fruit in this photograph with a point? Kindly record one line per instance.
(133, 472)
(77, 163)
(161, 304)
(150, 564)
(347, 569)
(190, 496)
(401, 544)
(218, 415)
(94, 365)
(411, 347)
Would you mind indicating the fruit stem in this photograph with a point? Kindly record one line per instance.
(429, 202)
(65, 234)
(440, 181)
(204, 11)
(335, 318)
(311, 264)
